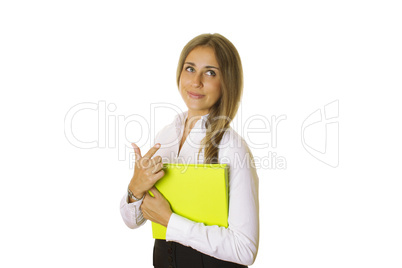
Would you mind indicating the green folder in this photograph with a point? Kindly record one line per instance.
(198, 192)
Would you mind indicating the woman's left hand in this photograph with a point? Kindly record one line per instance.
(156, 209)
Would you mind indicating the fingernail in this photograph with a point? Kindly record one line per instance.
(157, 145)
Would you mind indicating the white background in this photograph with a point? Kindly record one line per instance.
(60, 204)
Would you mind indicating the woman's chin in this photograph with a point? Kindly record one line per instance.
(199, 110)
(191, 105)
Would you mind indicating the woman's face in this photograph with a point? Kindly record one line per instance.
(199, 83)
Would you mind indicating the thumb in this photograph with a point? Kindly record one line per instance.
(137, 152)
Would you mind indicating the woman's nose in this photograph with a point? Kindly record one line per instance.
(197, 81)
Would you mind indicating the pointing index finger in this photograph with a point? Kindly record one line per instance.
(152, 151)
(137, 151)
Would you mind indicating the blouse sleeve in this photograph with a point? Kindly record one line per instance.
(238, 242)
(131, 213)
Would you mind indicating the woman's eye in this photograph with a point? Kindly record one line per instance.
(210, 72)
(190, 69)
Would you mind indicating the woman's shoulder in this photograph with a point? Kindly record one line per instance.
(235, 151)
(174, 124)
(169, 131)
(231, 143)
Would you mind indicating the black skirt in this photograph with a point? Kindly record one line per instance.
(175, 255)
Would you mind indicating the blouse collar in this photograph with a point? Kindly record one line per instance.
(181, 119)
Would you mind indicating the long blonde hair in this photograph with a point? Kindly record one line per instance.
(231, 84)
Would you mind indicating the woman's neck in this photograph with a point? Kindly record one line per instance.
(192, 118)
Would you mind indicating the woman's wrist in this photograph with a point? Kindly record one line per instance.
(134, 196)
(168, 219)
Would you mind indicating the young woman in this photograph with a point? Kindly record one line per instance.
(210, 81)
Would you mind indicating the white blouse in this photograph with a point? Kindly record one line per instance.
(238, 242)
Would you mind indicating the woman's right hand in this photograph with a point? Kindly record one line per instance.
(147, 171)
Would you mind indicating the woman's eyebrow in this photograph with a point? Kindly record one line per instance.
(208, 66)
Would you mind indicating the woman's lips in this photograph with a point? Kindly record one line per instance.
(195, 95)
